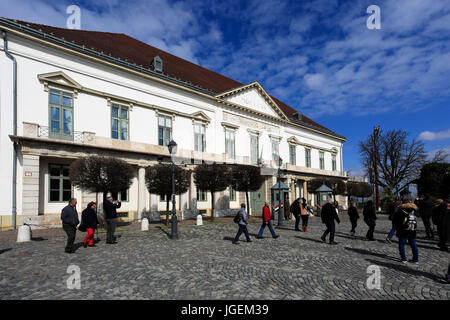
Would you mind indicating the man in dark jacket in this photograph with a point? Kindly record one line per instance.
(243, 222)
(425, 210)
(266, 215)
(354, 216)
(328, 215)
(110, 216)
(369, 218)
(295, 209)
(438, 215)
(69, 217)
(405, 223)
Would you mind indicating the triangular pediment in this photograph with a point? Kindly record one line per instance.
(199, 115)
(254, 97)
(59, 78)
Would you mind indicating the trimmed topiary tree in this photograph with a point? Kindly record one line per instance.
(246, 179)
(158, 179)
(213, 178)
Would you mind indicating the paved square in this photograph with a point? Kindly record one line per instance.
(203, 264)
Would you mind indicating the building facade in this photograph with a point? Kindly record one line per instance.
(82, 93)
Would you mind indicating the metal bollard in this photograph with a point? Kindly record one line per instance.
(24, 233)
(199, 220)
(144, 224)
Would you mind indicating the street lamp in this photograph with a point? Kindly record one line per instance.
(172, 146)
(280, 217)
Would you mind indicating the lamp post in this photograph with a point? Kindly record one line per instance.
(172, 146)
(280, 217)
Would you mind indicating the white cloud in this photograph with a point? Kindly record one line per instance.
(432, 136)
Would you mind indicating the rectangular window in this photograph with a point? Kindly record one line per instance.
(201, 195)
(232, 193)
(308, 157)
(199, 137)
(60, 115)
(254, 149)
(333, 162)
(275, 152)
(59, 183)
(321, 160)
(122, 196)
(292, 154)
(164, 130)
(119, 122)
(229, 144)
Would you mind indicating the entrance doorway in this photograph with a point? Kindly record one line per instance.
(257, 200)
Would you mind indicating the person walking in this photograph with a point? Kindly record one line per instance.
(295, 209)
(446, 223)
(266, 215)
(369, 218)
(354, 216)
(405, 223)
(329, 215)
(69, 217)
(438, 215)
(90, 222)
(243, 222)
(111, 216)
(304, 214)
(425, 211)
(393, 207)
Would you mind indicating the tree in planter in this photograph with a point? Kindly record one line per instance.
(337, 186)
(158, 179)
(353, 189)
(101, 174)
(213, 178)
(246, 179)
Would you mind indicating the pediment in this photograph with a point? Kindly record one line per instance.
(59, 78)
(293, 140)
(254, 97)
(199, 115)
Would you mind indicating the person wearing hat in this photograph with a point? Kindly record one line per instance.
(90, 222)
(111, 216)
(266, 215)
(243, 222)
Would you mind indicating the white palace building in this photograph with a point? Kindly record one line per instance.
(66, 94)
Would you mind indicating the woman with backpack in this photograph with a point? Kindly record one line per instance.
(304, 214)
(369, 218)
(89, 222)
(405, 222)
(242, 221)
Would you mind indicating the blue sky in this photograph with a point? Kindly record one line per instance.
(317, 56)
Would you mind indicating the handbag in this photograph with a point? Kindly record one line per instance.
(82, 227)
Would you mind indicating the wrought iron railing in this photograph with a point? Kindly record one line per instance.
(47, 132)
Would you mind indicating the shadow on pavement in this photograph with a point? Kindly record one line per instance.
(5, 250)
(367, 252)
(310, 239)
(407, 269)
(38, 239)
(163, 230)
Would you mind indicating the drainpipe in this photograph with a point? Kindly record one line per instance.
(14, 173)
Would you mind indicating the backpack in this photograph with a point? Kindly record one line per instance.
(410, 221)
(237, 217)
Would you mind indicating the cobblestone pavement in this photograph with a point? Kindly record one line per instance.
(203, 264)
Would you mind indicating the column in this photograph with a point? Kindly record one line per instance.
(30, 181)
(305, 190)
(141, 192)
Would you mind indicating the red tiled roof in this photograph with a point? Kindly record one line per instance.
(121, 46)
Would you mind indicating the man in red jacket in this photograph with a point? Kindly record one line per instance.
(266, 215)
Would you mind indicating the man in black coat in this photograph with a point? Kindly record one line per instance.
(370, 218)
(425, 211)
(110, 216)
(295, 209)
(438, 216)
(354, 216)
(69, 217)
(328, 215)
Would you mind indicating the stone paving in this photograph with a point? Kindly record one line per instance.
(203, 264)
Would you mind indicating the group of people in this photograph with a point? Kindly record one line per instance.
(89, 222)
(403, 215)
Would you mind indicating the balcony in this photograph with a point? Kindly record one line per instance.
(37, 131)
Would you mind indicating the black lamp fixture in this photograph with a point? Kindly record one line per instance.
(172, 146)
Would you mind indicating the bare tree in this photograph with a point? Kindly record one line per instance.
(398, 160)
(213, 178)
(440, 156)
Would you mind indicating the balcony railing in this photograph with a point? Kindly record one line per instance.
(60, 134)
